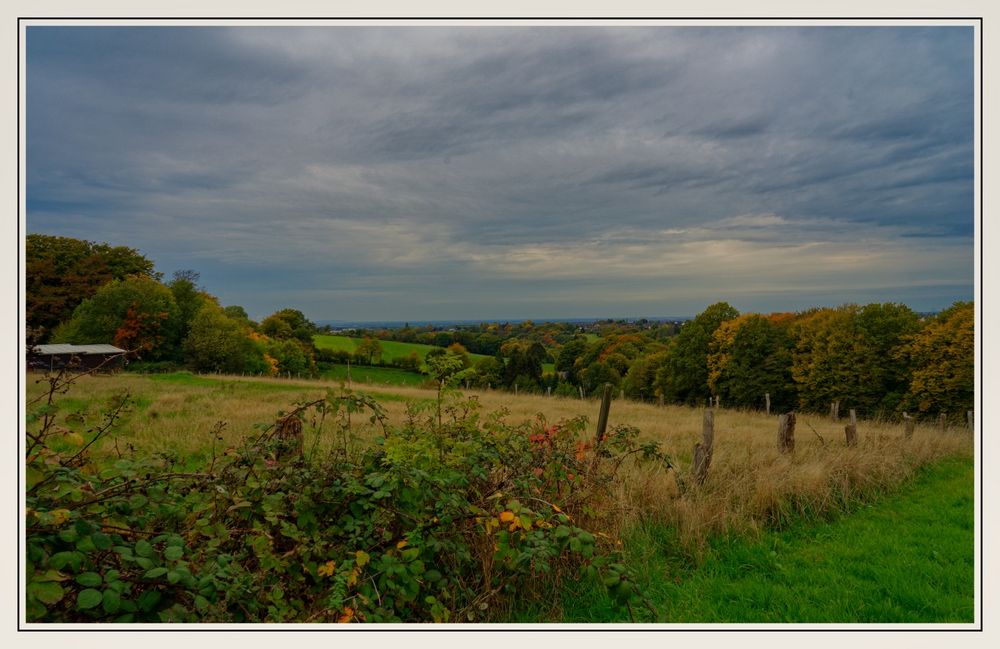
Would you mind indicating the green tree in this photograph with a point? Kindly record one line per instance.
(567, 356)
(217, 343)
(61, 272)
(597, 374)
(750, 356)
(189, 298)
(684, 377)
(288, 323)
(370, 348)
(138, 314)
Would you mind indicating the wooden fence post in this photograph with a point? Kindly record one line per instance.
(515, 389)
(621, 395)
(767, 403)
(786, 432)
(602, 418)
(851, 430)
(717, 402)
(908, 423)
(548, 391)
(970, 420)
(661, 400)
(834, 411)
(943, 422)
(703, 449)
(581, 392)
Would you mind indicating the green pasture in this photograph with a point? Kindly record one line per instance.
(907, 558)
(390, 349)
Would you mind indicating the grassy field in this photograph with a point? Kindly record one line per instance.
(750, 487)
(752, 490)
(390, 349)
(364, 376)
(849, 570)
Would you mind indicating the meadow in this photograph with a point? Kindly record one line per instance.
(751, 486)
(391, 349)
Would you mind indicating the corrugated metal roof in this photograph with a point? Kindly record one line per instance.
(77, 349)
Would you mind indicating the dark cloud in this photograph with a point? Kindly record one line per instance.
(463, 171)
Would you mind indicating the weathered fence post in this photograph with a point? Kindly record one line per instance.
(621, 395)
(786, 432)
(943, 422)
(834, 411)
(515, 389)
(718, 404)
(581, 392)
(908, 423)
(703, 449)
(767, 403)
(602, 418)
(970, 420)
(548, 391)
(851, 430)
(489, 385)
(661, 400)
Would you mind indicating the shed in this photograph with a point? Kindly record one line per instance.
(87, 357)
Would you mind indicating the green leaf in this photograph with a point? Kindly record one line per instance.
(111, 601)
(101, 540)
(144, 562)
(90, 579)
(173, 553)
(88, 598)
(60, 560)
(86, 544)
(173, 576)
(143, 548)
(47, 592)
(111, 576)
(148, 600)
(155, 572)
(200, 602)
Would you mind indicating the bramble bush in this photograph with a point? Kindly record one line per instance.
(442, 519)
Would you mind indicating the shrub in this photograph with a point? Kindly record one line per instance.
(440, 520)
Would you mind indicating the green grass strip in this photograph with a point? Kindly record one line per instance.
(907, 558)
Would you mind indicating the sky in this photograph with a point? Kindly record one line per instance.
(501, 173)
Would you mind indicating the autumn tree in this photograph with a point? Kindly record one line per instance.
(138, 314)
(61, 272)
(942, 361)
(849, 354)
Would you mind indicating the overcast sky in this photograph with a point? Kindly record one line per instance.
(407, 173)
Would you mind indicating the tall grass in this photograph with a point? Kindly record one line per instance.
(750, 486)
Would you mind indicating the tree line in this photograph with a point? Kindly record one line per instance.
(879, 359)
(82, 292)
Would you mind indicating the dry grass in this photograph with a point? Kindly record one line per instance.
(750, 485)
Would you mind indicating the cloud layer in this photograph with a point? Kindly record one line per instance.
(506, 172)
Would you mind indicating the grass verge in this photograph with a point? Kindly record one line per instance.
(906, 558)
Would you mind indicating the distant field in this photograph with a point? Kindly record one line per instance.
(390, 349)
(363, 375)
